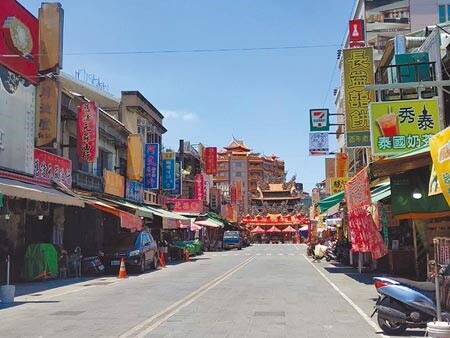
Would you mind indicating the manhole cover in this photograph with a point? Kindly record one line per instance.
(269, 314)
(98, 283)
(67, 313)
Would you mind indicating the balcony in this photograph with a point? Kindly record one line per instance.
(85, 181)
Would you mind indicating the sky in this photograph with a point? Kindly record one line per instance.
(217, 69)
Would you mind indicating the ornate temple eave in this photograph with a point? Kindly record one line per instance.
(276, 198)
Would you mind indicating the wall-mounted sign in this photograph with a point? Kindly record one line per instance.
(319, 120)
(47, 117)
(114, 183)
(400, 126)
(151, 166)
(199, 187)
(168, 170)
(187, 205)
(210, 157)
(87, 131)
(49, 167)
(134, 191)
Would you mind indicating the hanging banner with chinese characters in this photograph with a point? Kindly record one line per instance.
(318, 144)
(47, 116)
(168, 170)
(358, 72)
(134, 191)
(210, 157)
(319, 120)
(49, 167)
(151, 171)
(400, 126)
(440, 154)
(87, 144)
(199, 187)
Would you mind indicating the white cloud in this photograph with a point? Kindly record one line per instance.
(172, 114)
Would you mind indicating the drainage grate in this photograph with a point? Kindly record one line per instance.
(98, 283)
(269, 314)
(67, 313)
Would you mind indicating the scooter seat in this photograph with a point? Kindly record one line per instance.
(425, 286)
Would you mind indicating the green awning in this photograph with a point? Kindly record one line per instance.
(167, 214)
(140, 211)
(380, 192)
(331, 201)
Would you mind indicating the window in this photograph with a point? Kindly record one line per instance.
(238, 174)
(444, 13)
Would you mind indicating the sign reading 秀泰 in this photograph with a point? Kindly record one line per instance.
(400, 126)
(151, 166)
(319, 120)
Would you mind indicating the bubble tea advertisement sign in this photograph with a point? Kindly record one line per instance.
(400, 126)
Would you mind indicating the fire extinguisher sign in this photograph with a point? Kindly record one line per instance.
(319, 120)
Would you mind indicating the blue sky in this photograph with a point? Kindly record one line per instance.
(253, 92)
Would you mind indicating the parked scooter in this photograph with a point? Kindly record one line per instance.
(427, 288)
(92, 265)
(400, 307)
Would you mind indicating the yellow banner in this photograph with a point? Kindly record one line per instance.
(358, 72)
(433, 185)
(135, 163)
(114, 183)
(440, 154)
(400, 126)
(337, 184)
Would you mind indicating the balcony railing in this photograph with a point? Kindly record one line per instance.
(87, 181)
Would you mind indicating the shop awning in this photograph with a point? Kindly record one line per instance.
(139, 210)
(380, 192)
(127, 220)
(208, 223)
(171, 220)
(14, 188)
(331, 201)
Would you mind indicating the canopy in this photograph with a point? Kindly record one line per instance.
(258, 230)
(274, 229)
(289, 229)
(208, 223)
(304, 228)
(331, 201)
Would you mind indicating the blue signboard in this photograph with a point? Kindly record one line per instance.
(151, 166)
(168, 171)
(134, 191)
(177, 190)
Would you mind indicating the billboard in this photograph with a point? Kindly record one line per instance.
(151, 166)
(358, 72)
(17, 116)
(400, 126)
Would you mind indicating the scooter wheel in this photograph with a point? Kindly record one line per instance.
(391, 327)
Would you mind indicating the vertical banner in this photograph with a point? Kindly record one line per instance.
(358, 72)
(341, 162)
(135, 161)
(168, 170)
(199, 190)
(134, 191)
(49, 167)
(114, 183)
(356, 30)
(238, 185)
(151, 172)
(440, 154)
(87, 143)
(319, 120)
(178, 179)
(51, 18)
(48, 112)
(233, 196)
(210, 156)
(318, 144)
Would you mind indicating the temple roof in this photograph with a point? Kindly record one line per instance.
(237, 145)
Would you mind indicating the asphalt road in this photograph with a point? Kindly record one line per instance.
(260, 291)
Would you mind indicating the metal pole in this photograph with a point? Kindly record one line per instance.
(436, 280)
(7, 270)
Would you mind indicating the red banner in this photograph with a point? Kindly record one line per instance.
(20, 40)
(199, 188)
(49, 167)
(87, 132)
(357, 190)
(356, 30)
(211, 160)
(186, 205)
(233, 195)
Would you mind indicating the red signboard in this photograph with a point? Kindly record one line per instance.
(87, 132)
(199, 192)
(186, 205)
(19, 40)
(211, 160)
(49, 167)
(356, 30)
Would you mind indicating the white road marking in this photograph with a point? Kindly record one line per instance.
(343, 295)
(148, 325)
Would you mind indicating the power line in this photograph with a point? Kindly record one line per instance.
(212, 50)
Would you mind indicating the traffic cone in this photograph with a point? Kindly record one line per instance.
(163, 259)
(186, 255)
(122, 270)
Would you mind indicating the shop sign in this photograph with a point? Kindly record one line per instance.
(17, 126)
(400, 126)
(356, 30)
(318, 144)
(341, 165)
(186, 205)
(134, 191)
(168, 170)
(135, 165)
(199, 187)
(151, 166)
(114, 183)
(49, 167)
(20, 39)
(319, 120)
(210, 160)
(440, 154)
(358, 73)
(178, 179)
(337, 184)
(47, 118)
(238, 185)
(87, 131)
(51, 18)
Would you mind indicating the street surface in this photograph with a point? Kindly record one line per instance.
(266, 290)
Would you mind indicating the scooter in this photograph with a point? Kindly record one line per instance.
(92, 265)
(427, 288)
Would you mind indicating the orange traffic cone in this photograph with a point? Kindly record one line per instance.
(186, 255)
(163, 259)
(122, 270)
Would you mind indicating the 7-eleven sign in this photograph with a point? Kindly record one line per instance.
(319, 120)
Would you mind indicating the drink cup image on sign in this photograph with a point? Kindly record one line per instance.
(388, 124)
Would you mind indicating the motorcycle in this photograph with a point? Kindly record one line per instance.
(400, 307)
(92, 265)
